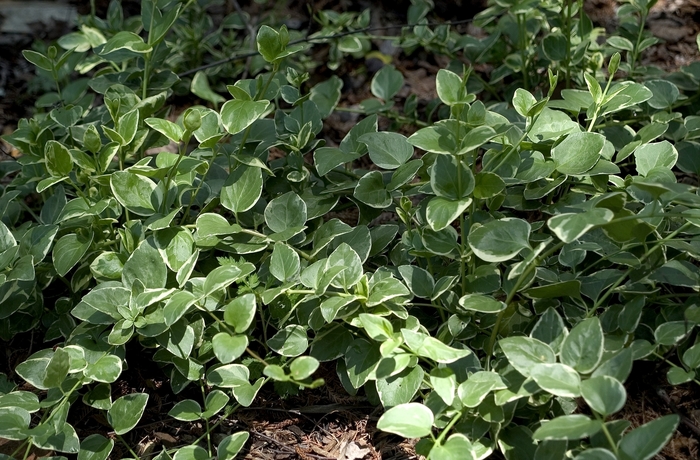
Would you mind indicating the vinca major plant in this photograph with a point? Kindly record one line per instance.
(539, 242)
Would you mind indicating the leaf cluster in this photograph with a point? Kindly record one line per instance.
(539, 241)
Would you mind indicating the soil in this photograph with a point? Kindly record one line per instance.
(327, 423)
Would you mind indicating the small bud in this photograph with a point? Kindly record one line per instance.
(91, 139)
(52, 52)
(614, 64)
(192, 119)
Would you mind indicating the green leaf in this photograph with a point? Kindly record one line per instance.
(286, 211)
(499, 240)
(691, 356)
(146, 265)
(404, 174)
(135, 192)
(664, 93)
(220, 278)
(478, 386)
(571, 288)
(128, 125)
(107, 369)
(594, 88)
(231, 445)
(582, 349)
(328, 158)
(387, 150)
(209, 224)
(58, 160)
(214, 402)
(450, 88)
(430, 347)
(644, 442)
(57, 369)
(523, 101)
(346, 257)
(166, 128)
(457, 447)
(38, 60)
(558, 379)
(269, 45)
(549, 328)
(386, 289)
(378, 328)
(176, 306)
(186, 411)
(290, 341)
(284, 262)
(604, 394)
(568, 427)
(450, 178)
(524, 353)
(655, 155)
(14, 423)
(331, 342)
(228, 347)
(191, 453)
(400, 388)
(555, 46)
(418, 280)
(200, 88)
(240, 312)
(126, 412)
(481, 303)
(124, 41)
(326, 95)
(237, 115)
(578, 153)
(371, 191)
(22, 399)
(386, 83)
(672, 332)
(487, 185)
(303, 367)
(571, 226)
(95, 447)
(597, 453)
(361, 361)
(411, 420)
(552, 124)
(242, 189)
(69, 250)
(677, 375)
(618, 366)
(228, 376)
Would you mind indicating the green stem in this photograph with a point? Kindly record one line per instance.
(522, 39)
(624, 276)
(514, 290)
(567, 32)
(131, 451)
(640, 34)
(206, 421)
(447, 429)
(608, 436)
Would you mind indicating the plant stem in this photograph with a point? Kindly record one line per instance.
(523, 276)
(128, 447)
(206, 420)
(624, 276)
(608, 436)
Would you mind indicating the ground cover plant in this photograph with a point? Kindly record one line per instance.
(539, 240)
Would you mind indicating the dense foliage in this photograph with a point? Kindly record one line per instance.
(538, 239)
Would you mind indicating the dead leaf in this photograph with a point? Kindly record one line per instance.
(352, 451)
